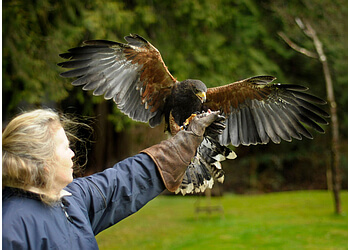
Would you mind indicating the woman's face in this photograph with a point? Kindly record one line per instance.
(63, 159)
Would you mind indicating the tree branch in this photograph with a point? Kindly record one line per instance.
(297, 47)
(311, 33)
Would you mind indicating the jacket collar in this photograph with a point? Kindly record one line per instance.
(7, 192)
(11, 191)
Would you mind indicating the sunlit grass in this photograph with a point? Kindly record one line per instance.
(288, 220)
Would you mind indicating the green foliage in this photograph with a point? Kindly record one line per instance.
(211, 42)
(291, 220)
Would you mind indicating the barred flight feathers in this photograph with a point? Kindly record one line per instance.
(133, 74)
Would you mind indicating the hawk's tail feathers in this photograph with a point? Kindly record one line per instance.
(205, 167)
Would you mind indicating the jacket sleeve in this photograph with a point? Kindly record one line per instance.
(117, 192)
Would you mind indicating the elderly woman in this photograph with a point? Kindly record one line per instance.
(44, 208)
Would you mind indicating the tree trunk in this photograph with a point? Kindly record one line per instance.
(99, 154)
(335, 156)
(335, 153)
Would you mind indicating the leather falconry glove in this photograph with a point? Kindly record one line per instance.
(172, 156)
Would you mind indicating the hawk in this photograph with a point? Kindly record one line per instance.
(254, 110)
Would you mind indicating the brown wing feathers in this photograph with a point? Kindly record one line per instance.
(233, 95)
(257, 111)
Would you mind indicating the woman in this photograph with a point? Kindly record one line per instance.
(44, 208)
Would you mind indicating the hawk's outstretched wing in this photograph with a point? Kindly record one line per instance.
(257, 111)
(133, 74)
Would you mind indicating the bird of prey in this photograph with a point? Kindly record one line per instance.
(255, 109)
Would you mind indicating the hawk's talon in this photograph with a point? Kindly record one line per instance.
(189, 119)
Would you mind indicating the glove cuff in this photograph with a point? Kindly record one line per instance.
(173, 156)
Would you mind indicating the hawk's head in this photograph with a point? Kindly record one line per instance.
(199, 89)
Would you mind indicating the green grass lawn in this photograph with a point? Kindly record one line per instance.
(288, 220)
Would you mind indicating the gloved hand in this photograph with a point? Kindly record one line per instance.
(174, 155)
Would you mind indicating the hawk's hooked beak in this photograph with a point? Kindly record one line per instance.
(202, 96)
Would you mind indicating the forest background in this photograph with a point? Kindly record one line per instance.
(217, 41)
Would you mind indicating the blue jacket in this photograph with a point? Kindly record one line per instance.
(95, 203)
